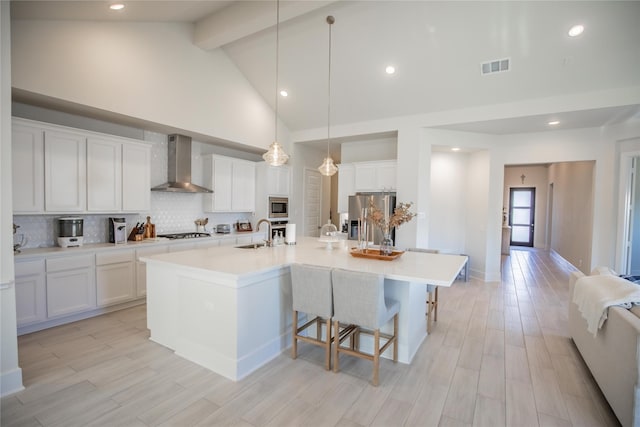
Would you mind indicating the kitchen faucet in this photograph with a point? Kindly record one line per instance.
(268, 242)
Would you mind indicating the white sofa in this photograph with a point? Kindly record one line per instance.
(613, 356)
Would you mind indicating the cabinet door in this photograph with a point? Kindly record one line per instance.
(70, 291)
(136, 177)
(31, 299)
(65, 184)
(386, 175)
(278, 180)
(366, 177)
(104, 175)
(141, 267)
(115, 283)
(243, 186)
(346, 186)
(27, 150)
(218, 177)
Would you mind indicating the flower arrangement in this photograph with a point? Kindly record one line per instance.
(386, 222)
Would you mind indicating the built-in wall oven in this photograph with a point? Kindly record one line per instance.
(278, 207)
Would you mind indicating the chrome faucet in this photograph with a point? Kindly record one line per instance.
(268, 241)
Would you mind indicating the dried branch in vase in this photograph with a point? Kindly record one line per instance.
(401, 214)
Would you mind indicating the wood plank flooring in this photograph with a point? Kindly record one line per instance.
(499, 355)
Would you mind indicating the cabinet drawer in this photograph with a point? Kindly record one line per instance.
(155, 250)
(68, 263)
(114, 257)
(28, 268)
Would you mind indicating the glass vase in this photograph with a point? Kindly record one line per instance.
(386, 245)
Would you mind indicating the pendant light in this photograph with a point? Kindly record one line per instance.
(328, 168)
(276, 155)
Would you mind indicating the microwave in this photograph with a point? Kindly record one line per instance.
(278, 207)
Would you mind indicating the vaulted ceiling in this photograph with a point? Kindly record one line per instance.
(436, 48)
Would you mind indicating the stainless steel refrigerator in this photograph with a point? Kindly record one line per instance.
(361, 201)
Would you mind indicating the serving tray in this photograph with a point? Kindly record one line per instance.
(374, 254)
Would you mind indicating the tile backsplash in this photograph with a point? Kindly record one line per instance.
(170, 212)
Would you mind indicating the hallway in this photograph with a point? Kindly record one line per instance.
(498, 355)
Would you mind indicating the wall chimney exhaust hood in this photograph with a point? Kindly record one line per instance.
(179, 170)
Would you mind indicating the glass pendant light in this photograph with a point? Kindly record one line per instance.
(328, 168)
(276, 155)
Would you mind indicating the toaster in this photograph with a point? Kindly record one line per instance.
(223, 228)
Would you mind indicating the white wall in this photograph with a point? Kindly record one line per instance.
(10, 372)
(369, 150)
(536, 177)
(148, 71)
(449, 193)
(572, 222)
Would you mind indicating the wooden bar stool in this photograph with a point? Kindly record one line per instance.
(432, 293)
(358, 300)
(312, 294)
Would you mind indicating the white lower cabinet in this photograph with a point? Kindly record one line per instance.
(115, 277)
(70, 285)
(141, 267)
(31, 292)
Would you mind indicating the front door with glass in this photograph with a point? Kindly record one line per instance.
(522, 215)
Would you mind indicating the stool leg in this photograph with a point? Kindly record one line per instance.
(327, 346)
(429, 311)
(294, 332)
(376, 356)
(336, 335)
(435, 307)
(395, 338)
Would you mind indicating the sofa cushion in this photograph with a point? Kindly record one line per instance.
(635, 309)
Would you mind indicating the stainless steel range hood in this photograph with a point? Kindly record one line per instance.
(179, 171)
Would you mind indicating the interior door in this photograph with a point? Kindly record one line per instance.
(312, 202)
(522, 216)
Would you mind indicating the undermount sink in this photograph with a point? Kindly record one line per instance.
(252, 246)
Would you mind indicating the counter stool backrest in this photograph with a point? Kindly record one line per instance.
(311, 290)
(358, 298)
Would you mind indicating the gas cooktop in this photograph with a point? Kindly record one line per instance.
(190, 235)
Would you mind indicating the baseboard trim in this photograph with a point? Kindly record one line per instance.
(11, 382)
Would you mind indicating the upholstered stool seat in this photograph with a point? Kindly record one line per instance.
(358, 299)
(432, 293)
(312, 294)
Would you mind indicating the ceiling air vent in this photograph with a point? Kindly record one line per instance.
(495, 66)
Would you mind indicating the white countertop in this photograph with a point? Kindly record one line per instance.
(98, 247)
(436, 269)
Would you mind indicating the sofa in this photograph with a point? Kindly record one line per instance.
(613, 355)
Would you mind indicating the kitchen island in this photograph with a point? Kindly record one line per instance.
(229, 309)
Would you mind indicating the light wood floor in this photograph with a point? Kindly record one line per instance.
(498, 355)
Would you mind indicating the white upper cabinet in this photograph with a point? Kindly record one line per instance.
(243, 186)
(375, 176)
(104, 175)
(277, 180)
(233, 183)
(28, 168)
(65, 179)
(61, 170)
(136, 177)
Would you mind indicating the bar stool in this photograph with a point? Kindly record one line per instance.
(432, 293)
(312, 294)
(358, 300)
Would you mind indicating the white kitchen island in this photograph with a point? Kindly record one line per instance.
(229, 309)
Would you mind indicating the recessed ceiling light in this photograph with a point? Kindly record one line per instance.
(576, 30)
(390, 69)
(554, 122)
(455, 149)
(116, 6)
(284, 93)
